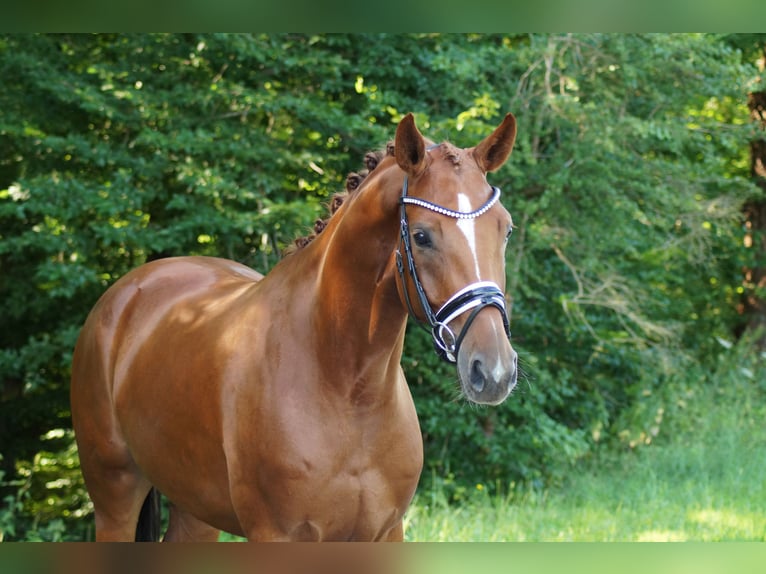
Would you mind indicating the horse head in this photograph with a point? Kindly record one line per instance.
(451, 255)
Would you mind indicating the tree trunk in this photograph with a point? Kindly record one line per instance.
(754, 303)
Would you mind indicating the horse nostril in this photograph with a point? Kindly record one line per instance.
(478, 378)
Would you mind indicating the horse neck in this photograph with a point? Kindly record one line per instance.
(358, 311)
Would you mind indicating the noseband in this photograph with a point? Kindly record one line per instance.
(473, 297)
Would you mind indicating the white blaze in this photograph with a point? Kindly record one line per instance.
(468, 227)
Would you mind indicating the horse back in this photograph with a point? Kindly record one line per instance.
(179, 290)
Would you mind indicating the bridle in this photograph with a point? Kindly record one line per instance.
(473, 297)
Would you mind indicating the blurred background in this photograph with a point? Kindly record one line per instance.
(636, 272)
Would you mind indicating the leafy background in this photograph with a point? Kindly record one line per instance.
(628, 185)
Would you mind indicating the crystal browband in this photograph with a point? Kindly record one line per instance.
(449, 212)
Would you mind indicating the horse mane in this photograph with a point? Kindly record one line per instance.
(353, 182)
(450, 152)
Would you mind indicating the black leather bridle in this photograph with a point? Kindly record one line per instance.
(473, 297)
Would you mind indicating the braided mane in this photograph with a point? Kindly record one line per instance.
(450, 153)
(353, 182)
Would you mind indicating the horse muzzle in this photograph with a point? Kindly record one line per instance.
(487, 364)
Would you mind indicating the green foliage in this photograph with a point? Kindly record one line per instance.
(50, 499)
(626, 188)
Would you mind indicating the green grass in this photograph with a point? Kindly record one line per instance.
(703, 478)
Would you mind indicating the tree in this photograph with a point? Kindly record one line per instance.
(754, 280)
(627, 186)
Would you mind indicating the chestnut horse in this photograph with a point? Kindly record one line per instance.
(275, 407)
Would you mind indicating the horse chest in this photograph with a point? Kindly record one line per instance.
(348, 506)
(332, 481)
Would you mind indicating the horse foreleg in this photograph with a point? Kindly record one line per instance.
(117, 501)
(183, 527)
(396, 534)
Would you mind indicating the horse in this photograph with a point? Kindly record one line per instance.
(275, 407)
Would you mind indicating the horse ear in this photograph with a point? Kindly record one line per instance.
(494, 150)
(409, 146)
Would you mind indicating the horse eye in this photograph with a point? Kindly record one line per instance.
(508, 235)
(422, 239)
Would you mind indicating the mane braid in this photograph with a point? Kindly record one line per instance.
(450, 152)
(353, 182)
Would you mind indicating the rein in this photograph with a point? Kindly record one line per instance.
(473, 297)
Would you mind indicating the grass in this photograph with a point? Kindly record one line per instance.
(703, 479)
(667, 495)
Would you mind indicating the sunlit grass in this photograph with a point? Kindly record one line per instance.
(653, 496)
